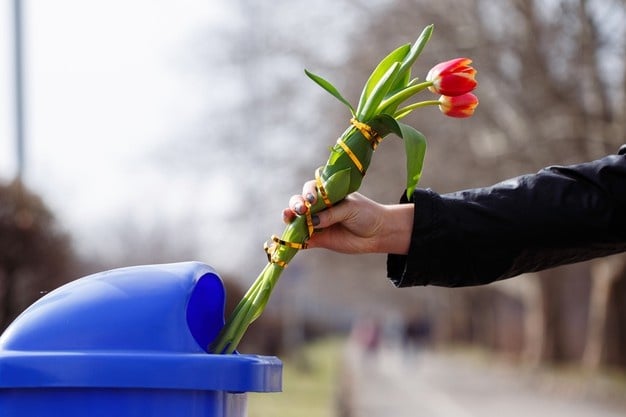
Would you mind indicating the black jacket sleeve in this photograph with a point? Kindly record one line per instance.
(562, 214)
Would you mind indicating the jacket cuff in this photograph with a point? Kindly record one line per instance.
(401, 268)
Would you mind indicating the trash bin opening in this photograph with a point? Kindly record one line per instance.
(205, 309)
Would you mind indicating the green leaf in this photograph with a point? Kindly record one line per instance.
(421, 41)
(378, 94)
(384, 124)
(337, 186)
(383, 66)
(411, 57)
(330, 88)
(390, 104)
(415, 146)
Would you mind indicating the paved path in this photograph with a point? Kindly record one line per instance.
(426, 384)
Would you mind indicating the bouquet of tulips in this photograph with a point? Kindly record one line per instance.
(377, 114)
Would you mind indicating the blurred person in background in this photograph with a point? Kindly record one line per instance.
(557, 216)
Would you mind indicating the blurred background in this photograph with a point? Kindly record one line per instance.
(153, 131)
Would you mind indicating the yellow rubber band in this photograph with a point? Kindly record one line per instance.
(270, 250)
(280, 263)
(353, 157)
(368, 132)
(309, 218)
(293, 245)
(321, 189)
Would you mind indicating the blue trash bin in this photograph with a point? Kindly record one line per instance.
(129, 342)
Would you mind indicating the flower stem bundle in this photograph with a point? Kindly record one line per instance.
(377, 115)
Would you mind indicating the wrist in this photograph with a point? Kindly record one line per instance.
(398, 227)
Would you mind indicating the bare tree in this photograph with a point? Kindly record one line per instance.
(552, 91)
(35, 256)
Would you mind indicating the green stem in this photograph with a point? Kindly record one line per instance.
(389, 104)
(408, 109)
(339, 175)
(254, 301)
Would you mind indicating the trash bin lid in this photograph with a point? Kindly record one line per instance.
(145, 326)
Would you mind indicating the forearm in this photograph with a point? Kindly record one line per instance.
(559, 215)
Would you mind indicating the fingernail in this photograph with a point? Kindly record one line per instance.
(310, 198)
(298, 207)
(316, 220)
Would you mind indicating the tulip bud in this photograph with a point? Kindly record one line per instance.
(458, 106)
(452, 78)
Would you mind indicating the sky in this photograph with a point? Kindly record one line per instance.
(116, 93)
(107, 83)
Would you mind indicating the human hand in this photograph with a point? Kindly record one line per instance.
(355, 225)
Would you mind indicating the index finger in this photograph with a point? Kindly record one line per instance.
(309, 191)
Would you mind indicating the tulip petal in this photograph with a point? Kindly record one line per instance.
(452, 78)
(458, 106)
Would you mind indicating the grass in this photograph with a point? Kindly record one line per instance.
(310, 378)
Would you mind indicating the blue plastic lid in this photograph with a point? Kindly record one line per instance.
(145, 326)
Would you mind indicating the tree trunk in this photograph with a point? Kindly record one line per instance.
(565, 302)
(606, 336)
(616, 323)
(7, 294)
(606, 273)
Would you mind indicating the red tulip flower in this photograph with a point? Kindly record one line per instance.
(452, 78)
(458, 106)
